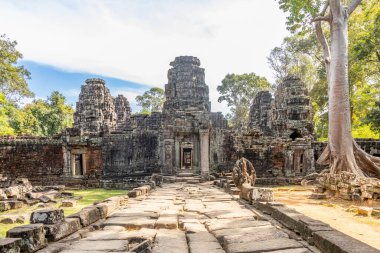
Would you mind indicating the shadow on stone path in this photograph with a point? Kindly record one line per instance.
(183, 218)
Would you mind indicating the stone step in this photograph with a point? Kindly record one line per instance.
(185, 174)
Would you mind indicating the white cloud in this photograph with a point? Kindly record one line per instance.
(135, 40)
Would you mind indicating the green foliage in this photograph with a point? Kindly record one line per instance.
(239, 91)
(13, 77)
(5, 108)
(300, 13)
(373, 118)
(44, 117)
(151, 101)
(364, 62)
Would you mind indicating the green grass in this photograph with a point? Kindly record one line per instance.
(89, 196)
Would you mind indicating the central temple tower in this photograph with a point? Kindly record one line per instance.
(186, 119)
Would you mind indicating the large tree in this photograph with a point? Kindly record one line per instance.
(13, 77)
(152, 100)
(342, 153)
(239, 91)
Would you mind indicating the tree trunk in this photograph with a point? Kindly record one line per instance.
(342, 153)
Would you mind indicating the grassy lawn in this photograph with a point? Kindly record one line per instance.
(89, 196)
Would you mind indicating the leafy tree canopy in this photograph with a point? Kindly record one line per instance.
(239, 91)
(152, 100)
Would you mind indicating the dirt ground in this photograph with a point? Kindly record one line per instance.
(333, 211)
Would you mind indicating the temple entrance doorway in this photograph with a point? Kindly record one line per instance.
(186, 156)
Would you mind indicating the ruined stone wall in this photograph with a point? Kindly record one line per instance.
(38, 159)
(131, 154)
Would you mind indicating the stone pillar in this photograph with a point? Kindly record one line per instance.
(205, 157)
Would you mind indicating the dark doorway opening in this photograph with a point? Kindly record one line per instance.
(296, 134)
(78, 167)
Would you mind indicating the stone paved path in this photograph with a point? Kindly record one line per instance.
(183, 218)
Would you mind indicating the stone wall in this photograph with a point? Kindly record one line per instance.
(38, 159)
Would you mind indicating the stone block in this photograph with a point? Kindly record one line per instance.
(4, 206)
(263, 246)
(12, 220)
(32, 237)
(10, 245)
(3, 196)
(69, 203)
(337, 242)
(13, 192)
(87, 215)
(55, 232)
(262, 194)
(48, 216)
(365, 210)
(13, 204)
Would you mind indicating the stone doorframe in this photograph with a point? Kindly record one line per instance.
(186, 146)
(74, 152)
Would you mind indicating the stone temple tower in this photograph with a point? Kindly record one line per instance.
(95, 110)
(186, 118)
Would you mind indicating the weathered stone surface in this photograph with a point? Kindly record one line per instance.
(4, 206)
(32, 237)
(47, 216)
(337, 242)
(12, 219)
(98, 246)
(131, 222)
(263, 246)
(170, 241)
(87, 215)
(262, 194)
(69, 203)
(57, 231)
(10, 245)
(364, 210)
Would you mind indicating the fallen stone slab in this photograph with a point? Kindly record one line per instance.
(144, 246)
(299, 250)
(98, 246)
(142, 234)
(203, 236)
(69, 203)
(365, 210)
(47, 216)
(202, 247)
(216, 224)
(12, 220)
(262, 194)
(10, 245)
(11, 204)
(167, 221)
(57, 231)
(4, 206)
(170, 241)
(130, 222)
(87, 215)
(261, 234)
(32, 237)
(337, 242)
(221, 233)
(263, 246)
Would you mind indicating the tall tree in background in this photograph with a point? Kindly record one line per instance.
(13, 77)
(151, 101)
(44, 117)
(342, 152)
(239, 91)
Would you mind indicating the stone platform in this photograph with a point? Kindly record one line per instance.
(182, 218)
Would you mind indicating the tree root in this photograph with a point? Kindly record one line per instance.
(360, 163)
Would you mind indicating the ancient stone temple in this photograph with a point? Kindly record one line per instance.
(186, 122)
(110, 147)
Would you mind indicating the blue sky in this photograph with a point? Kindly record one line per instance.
(46, 79)
(135, 40)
